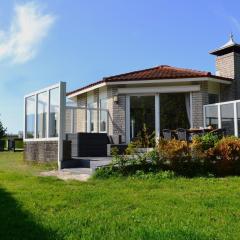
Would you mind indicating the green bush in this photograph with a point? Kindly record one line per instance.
(206, 141)
(105, 172)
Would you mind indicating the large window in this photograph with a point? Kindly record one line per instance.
(227, 118)
(142, 113)
(90, 117)
(54, 113)
(42, 100)
(92, 114)
(174, 111)
(30, 116)
(211, 116)
(103, 114)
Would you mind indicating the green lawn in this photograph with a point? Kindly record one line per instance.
(33, 207)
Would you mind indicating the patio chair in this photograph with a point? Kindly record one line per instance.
(167, 134)
(182, 134)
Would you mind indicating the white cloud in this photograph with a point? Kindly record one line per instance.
(28, 28)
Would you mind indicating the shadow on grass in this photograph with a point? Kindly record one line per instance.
(18, 224)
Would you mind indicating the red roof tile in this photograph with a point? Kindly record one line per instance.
(159, 72)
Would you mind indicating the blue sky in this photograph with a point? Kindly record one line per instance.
(44, 42)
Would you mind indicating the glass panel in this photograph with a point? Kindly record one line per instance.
(54, 113)
(174, 111)
(103, 115)
(42, 115)
(142, 112)
(30, 117)
(92, 117)
(227, 118)
(211, 116)
(238, 117)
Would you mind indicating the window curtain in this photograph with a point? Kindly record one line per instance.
(187, 104)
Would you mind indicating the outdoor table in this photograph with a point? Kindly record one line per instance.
(195, 131)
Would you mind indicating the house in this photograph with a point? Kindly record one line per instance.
(158, 98)
(116, 109)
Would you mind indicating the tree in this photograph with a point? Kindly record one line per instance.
(3, 131)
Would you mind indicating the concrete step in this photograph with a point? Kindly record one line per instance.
(87, 162)
(74, 171)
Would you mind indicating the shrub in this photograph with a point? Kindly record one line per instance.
(201, 145)
(207, 141)
(105, 172)
(172, 150)
(145, 139)
(225, 156)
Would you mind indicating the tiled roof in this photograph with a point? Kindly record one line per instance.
(155, 73)
(159, 72)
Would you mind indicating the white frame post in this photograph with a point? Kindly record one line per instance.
(61, 123)
(128, 119)
(36, 117)
(157, 116)
(191, 110)
(235, 119)
(219, 116)
(48, 114)
(72, 120)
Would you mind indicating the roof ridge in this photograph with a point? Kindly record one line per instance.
(190, 69)
(131, 72)
(159, 66)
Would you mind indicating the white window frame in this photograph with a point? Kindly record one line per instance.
(61, 122)
(62, 88)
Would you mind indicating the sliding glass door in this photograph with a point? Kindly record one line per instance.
(142, 114)
(175, 110)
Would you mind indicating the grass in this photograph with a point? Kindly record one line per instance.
(33, 207)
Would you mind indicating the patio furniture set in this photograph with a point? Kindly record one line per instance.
(188, 134)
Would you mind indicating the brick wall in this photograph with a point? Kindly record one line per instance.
(198, 100)
(228, 65)
(117, 113)
(45, 151)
